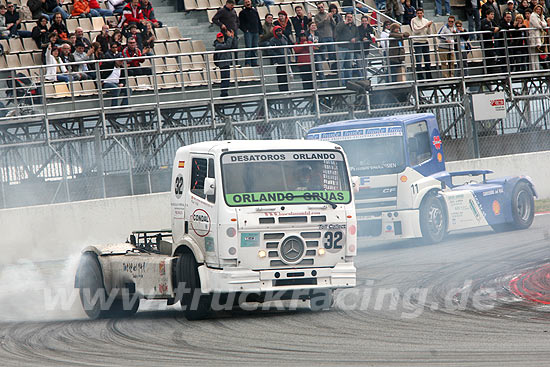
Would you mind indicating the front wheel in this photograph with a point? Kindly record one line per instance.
(433, 219)
(195, 305)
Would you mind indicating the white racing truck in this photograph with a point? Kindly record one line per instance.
(252, 221)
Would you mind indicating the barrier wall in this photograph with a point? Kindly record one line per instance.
(536, 165)
(49, 232)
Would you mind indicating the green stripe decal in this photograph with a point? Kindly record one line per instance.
(288, 197)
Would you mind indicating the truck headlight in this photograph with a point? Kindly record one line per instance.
(262, 254)
(321, 251)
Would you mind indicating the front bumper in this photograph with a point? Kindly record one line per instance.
(388, 226)
(245, 280)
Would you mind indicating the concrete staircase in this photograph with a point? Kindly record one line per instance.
(192, 24)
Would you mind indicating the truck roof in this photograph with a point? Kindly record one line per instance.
(373, 121)
(217, 147)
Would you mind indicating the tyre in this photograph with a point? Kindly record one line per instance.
(433, 219)
(523, 206)
(321, 299)
(195, 305)
(93, 296)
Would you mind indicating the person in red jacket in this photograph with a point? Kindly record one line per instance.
(134, 68)
(149, 13)
(97, 11)
(132, 13)
(303, 60)
(81, 9)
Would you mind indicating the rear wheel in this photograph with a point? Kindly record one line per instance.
(93, 296)
(195, 304)
(523, 209)
(433, 219)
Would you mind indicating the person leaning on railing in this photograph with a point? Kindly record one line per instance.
(464, 45)
(346, 32)
(446, 47)
(325, 28)
(278, 57)
(223, 59)
(267, 30)
(536, 43)
(318, 55)
(114, 81)
(396, 53)
(519, 50)
(251, 26)
(365, 36)
(421, 28)
(490, 55)
(303, 60)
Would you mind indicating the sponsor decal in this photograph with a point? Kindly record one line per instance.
(162, 268)
(364, 181)
(137, 270)
(178, 186)
(332, 226)
(403, 178)
(496, 207)
(250, 239)
(209, 244)
(500, 190)
(474, 210)
(163, 288)
(437, 142)
(281, 156)
(283, 214)
(496, 102)
(439, 157)
(200, 223)
(389, 228)
(354, 134)
(181, 164)
(288, 197)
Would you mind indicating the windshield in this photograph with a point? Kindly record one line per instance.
(371, 151)
(285, 177)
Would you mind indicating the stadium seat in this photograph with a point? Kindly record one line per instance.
(174, 34)
(248, 74)
(6, 46)
(29, 45)
(62, 90)
(289, 10)
(26, 59)
(160, 66)
(85, 24)
(198, 46)
(216, 4)
(16, 45)
(186, 63)
(262, 12)
(161, 34)
(37, 57)
(97, 23)
(3, 63)
(13, 61)
(72, 24)
(160, 48)
(186, 47)
(190, 5)
(160, 82)
(171, 81)
(171, 64)
(210, 14)
(172, 48)
(196, 79)
(88, 88)
(144, 83)
(198, 62)
(215, 76)
(203, 4)
(111, 19)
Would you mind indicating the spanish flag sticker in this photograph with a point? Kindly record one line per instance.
(181, 164)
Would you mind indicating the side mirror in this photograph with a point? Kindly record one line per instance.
(209, 186)
(355, 183)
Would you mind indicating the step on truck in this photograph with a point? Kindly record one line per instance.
(404, 189)
(252, 221)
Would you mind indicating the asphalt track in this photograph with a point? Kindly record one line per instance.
(469, 317)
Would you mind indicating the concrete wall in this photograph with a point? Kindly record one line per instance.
(49, 232)
(536, 165)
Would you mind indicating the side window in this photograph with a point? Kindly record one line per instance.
(418, 142)
(202, 168)
(198, 173)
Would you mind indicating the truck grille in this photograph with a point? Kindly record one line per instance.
(293, 250)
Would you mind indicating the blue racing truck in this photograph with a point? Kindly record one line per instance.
(404, 190)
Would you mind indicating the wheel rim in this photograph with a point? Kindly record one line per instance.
(435, 219)
(523, 205)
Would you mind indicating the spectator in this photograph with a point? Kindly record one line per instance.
(285, 24)
(250, 25)
(278, 57)
(81, 54)
(301, 21)
(72, 41)
(335, 13)
(472, 14)
(490, 54)
(66, 56)
(40, 32)
(14, 23)
(79, 33)
(420, 27)
(394, 9)
(510, 8)
(303, 61)
(519, 41)
(439, 10)
(4, 31)
(365, 35)
(113, 50)
(488, 6)
(54, 64)
(134, 66)
(385, 36)
(446, 47)
(223, 59)
(504, 40)
(318, 56)
(117, 37)
(325, 25)
(132, 31)
(536, 35)
(38, 8)
(346, 32)
(396, 53)
(464, 46)
(226, 18)
(149, 13)
(409, 12)
(114, 82)
(59, 27)
(116, 6)
(97, 11)
(527, 16)
(524, 5)
(132, 14)
(267, 30)
(104, 38)
(53, 7)
(81, 9)
(149, 39)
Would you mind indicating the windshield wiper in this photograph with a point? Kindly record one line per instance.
(332, 204)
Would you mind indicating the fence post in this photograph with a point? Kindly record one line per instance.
(130, 163)
(471, 124)
(99, 160)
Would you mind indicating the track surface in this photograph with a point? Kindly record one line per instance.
(453, 328)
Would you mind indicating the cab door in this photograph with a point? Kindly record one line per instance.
(201, 209)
